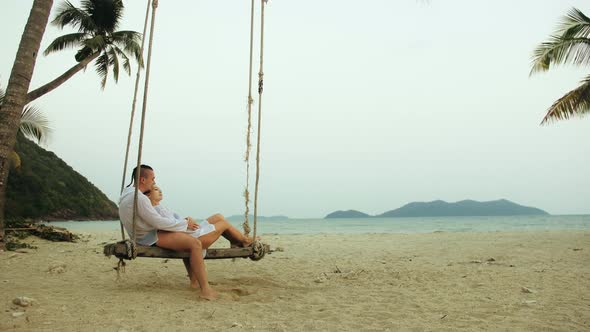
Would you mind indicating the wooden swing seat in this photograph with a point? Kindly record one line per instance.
(120, 250)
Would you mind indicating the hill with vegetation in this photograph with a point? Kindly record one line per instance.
(44, 187)
(440, 208)
(347, 214)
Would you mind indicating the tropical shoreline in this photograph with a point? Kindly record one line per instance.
(408, 225)
(533, 280)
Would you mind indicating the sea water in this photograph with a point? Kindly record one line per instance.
(385, 225)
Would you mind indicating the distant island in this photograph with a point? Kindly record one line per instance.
(440, 208)
(240, 217)
(347, 214)
(41, 186)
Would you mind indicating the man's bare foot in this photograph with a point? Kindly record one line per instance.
(195, 285)
(209, 294)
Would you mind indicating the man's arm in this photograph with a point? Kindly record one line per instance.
(147, 212)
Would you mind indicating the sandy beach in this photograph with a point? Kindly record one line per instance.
(528, 281)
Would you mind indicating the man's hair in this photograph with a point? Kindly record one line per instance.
(142, 172)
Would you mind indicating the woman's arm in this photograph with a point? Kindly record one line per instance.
(147, 212)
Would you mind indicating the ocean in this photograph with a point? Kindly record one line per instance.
(384, 225)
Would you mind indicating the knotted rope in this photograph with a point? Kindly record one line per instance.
(260, 89)
(142, 128)
(133, 108)
(246, 225)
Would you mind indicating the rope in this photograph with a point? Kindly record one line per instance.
(133, 109)
(260, 89)
(143, 111)
(245, 225)
(120, 267)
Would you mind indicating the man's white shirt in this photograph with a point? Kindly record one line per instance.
(148, 220)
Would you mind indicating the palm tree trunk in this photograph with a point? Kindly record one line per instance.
(60, 79)
(16, 92)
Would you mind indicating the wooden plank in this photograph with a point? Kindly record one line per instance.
(219, 253)
(119, 250)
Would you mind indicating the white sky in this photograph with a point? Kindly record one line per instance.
(368, 105)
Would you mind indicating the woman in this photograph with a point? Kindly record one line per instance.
(209, 230)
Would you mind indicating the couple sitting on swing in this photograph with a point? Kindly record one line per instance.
(156, 225)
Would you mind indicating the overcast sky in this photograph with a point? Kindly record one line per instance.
(368, 105)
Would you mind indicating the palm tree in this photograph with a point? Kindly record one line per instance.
(569, 45)
(16, 92)
(97, 38)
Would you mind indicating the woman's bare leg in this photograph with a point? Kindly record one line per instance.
(184, 242)
(225, 228)
(208, 239)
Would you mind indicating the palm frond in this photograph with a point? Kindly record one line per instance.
(126, 61)
(102, 68)
(34, 125)
(125, 37)
(558, 51)
(114, 61)
(68, 14)
(65, 41)
(574, 25)
(130, 41)
(106, 14)
(573, 103)
(96, 43)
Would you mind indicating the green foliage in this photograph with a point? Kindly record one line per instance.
(569, 45)
(33, 123)
(46, 188)
(97, 22)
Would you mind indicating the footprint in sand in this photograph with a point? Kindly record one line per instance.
(240, 292)
(237, 293)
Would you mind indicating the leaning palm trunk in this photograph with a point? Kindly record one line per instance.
(16, 92)
(60, 79)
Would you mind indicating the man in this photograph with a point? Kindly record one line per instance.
(168, 233)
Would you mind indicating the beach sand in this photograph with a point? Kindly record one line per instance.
(368, 282)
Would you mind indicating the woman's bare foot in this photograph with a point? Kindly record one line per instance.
(249, 240)
(195, 285)
(209, 294)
